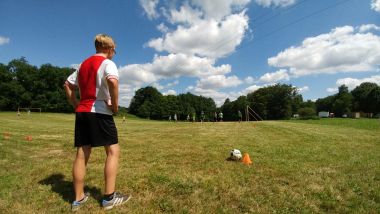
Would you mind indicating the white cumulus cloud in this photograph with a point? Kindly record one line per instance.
(185, 15)
(4, 40)
(368, 27)
(274, 77)
(250, 89)
(218, 9)
(170, 92)
(137, 74)
(218, 96)
(126, 92)
(351, 83)
(208, 38)
(195, 34)
(162, 28)
(160, 87)
(149, 7)
(171, 66)
(218, 81)
(249, 80)
(375, 5)
(332, 90)
(275, 3)
(303, 89)
(344, 49)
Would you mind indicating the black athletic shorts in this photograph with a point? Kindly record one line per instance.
(94, 129)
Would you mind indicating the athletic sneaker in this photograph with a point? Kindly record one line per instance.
(117, 199)
(76, 205)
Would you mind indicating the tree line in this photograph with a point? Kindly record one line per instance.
(27, 86)
(280, 101)
(148, 102)
(283, 101)
(364, 98)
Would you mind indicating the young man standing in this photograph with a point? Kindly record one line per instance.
(98, 81)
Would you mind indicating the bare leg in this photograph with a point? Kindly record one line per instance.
(110, 167)
(79, 170)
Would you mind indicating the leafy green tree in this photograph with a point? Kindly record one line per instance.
(325, 104)
(190, 103)
(258, 101)
(374, 96)
(230, 109)
(152, 97)
(25, 85)
(170, 106)
(240, 105)
(307, 113)
(274, 102)
(343, 102)
(362, 101)
(296, 101)
(145, 110)
(308, 104)
(227, 109)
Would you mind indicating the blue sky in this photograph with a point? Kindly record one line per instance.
(215, 48)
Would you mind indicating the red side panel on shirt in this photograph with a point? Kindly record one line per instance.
(87, 82)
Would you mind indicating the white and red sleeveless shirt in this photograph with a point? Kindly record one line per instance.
(91, 79)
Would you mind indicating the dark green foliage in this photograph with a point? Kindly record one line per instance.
(325, 104)
(342, 103)
(190, 103)
(309, 104)
(307, 113)
(148, 102)
(275, 102)
(374, 96)
(366, 97)
(231, 109)
(26, 86)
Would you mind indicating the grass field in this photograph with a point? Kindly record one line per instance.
(321, 166)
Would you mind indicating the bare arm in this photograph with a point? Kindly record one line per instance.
(70, 95)
(113, 86)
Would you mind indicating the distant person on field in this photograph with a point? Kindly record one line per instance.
(175, 117)
(221, 116)
(240, 116)
(188, 118)
(170, 118)
(97, 79)
(202, 116)
(215, 117)
(193, 117)
(123, 119)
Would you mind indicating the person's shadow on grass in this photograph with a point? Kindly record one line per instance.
(65, 188)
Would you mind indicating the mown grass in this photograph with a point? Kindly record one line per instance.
(298, 166)
(362, 123)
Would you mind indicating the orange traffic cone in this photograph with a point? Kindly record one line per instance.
(246, 160)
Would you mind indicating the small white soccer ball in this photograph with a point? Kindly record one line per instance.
(236, 154)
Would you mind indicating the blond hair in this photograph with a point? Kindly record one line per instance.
(103, 42)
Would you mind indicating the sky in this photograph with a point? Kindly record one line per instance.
(214, 48)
